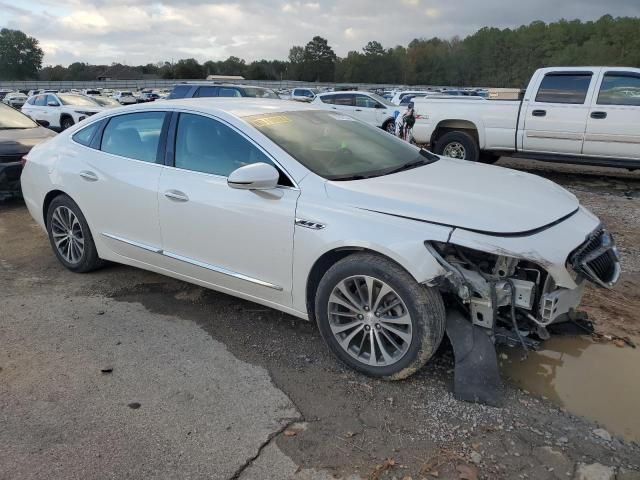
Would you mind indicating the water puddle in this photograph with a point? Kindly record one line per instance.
(596, 380)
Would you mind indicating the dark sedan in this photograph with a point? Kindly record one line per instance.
(18, 135)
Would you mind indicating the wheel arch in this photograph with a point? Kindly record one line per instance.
(455, 124)
(48, 198)
(331, 257)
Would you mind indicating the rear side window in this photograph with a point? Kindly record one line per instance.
(84, 136)
(366, 102)
(208, 146)
(564, 88)
(344, 99)
(135, 135)
(207, 92)
(620, 89)
(40, 101)
(229, 92)
(179, 91)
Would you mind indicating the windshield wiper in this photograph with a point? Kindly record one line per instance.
(419, 162)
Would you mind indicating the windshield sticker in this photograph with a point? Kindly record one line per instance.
(269, 121)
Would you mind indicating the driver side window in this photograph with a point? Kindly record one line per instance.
(209, 146)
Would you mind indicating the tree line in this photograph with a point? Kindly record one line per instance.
(489, 57)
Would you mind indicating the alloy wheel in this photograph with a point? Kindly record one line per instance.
(67, 234)
(370, 321)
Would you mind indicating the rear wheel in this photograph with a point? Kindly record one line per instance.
(459, 145)
(376, 318)
(70, 236)
(390, 127)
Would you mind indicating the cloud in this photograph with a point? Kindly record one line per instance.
(143, 31)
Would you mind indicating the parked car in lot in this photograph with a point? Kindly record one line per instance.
(106, 102)
(18, 134)
(303, 94)
(582, 115)
(209, 89)
(365, 106)
(61, 110)
(324, 217)
(14, 99)
(149, 96)
(125, 97)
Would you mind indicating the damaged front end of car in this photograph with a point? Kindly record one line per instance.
(497, 299)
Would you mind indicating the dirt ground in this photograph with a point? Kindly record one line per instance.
(354, 425)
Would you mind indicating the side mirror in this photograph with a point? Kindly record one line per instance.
(257, 176)
(52, 104)
(43, 123)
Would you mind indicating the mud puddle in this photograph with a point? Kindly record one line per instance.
(596, 380)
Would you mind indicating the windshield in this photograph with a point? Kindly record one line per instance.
(382, 100)
(76, 100)
(126, 94)
(11, 118)
(259, 92)
(336, 146)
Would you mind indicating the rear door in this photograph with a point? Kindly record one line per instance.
(345, 102)
(613, 125)
(365, 109)
(35, 110)
(113, 175)
(556, 118)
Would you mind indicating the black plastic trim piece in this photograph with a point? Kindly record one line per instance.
(525, 233)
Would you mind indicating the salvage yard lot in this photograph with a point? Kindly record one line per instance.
(206, 385)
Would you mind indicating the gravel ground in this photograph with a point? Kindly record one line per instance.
(353, 425)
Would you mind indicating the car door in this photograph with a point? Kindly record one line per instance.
(365, 109)
(51, 110)
(112, 173)
(555, 119)
(613, 126)
(36, 109)
(238, 240)
(345, 103)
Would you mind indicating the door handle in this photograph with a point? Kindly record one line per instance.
(539, 113)
(598, 114)
(176, 195)
(358, 110)
(89, 176)
(335, 108)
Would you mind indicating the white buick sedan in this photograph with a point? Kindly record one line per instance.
(324, 217)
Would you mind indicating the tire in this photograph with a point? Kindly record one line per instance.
(488, 157)
(66, 122)
(389, 127)
(84, 257)
(425, 325)
(459, 145)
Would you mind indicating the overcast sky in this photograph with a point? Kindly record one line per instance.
(142, 31)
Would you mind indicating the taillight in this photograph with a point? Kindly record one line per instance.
(23, 161)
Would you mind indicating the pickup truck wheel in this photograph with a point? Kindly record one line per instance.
(458, 145)
(376, 318)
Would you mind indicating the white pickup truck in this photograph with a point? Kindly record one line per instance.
(582, 115)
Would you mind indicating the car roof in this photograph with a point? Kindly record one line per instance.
(344, 91)
(211, 83)
(239, 107)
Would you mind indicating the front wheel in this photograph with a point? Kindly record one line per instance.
(458, 145)
(390, 127)
(376, 318)
(66, 122)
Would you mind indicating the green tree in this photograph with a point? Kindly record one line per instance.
(319, 61)
(20, 55)
(187, 68)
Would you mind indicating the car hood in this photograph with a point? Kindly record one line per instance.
(22, 140)
(461, 194)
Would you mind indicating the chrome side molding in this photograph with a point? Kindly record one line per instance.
(197, 263)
